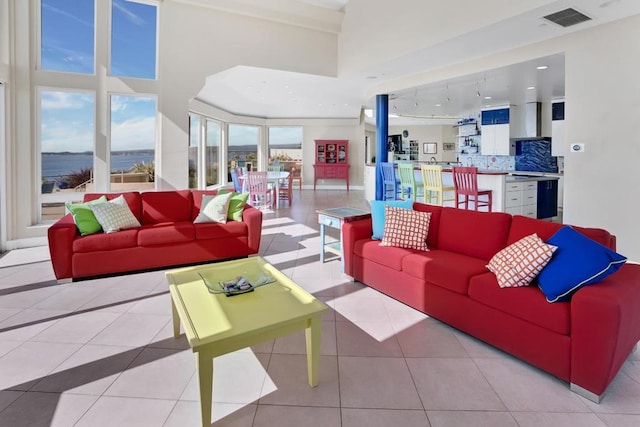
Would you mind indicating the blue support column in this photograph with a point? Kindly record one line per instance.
(382, 132)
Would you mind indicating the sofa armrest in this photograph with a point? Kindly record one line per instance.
(253, 218)
(605, 326)
(352, 232)
(61, 236)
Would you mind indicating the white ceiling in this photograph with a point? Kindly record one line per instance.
(267, 93)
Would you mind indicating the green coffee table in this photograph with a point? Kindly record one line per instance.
(216, 324)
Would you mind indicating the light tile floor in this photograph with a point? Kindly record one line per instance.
(101, 353)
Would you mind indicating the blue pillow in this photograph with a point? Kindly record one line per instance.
(578, 261)
(377, 213)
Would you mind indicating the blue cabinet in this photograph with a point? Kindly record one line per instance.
(557, 111)
(495, 117)
(547, 198)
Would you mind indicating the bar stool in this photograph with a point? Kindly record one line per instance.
(388, 170)
(465, 180)
(408, 182)
(433, 187)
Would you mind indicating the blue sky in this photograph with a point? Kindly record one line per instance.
(67, 45)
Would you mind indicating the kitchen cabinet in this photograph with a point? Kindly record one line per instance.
(558, 140)
(547, 198)
(332, 160)
(521, 198)
(497, 129)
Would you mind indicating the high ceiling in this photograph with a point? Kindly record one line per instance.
(266, 93)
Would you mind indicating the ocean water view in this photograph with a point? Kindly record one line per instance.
(57, 165)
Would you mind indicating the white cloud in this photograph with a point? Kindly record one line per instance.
(135, 19)
(66, 101)
(66, 14)
(65, 136)
(134, 134)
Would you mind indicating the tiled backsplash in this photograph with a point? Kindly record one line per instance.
(488, 162)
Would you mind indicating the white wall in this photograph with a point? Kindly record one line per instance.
(431, 133)
(214, 41)
(601, 111)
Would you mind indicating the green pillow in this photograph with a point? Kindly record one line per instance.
(236, 206)
(83, 216)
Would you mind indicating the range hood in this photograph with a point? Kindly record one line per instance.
(533, 121)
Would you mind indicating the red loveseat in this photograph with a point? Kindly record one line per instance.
(168, 237)
(583, 341)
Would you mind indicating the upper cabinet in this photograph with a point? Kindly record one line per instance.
(497, 129)
(558, 140)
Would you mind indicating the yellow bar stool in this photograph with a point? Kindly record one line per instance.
(434, 190)
(408, 182)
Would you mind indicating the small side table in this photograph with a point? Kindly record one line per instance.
(334, 218)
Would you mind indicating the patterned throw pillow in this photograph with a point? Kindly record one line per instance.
(405, 228)
(214, 208)
(519, 263)
(115, 215)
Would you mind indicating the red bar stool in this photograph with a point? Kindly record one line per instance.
(465, 181)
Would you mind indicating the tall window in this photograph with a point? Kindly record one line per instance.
(133, 142)
(133, 39)
(243, 147)
(67, 134)
(194, 150)
(212, 151)
(67, 36)
(285, 144)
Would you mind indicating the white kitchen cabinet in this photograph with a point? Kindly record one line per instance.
(521, 198)
(558, 140)
(495, 140)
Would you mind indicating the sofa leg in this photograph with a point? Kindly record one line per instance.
(64, 281)
(586, 393)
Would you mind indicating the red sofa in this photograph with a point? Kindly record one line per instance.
(583, 341)
(167, 237)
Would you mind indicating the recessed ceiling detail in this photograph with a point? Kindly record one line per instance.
(567, 18)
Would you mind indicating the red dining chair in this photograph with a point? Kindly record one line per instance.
(285, 190)
(465, 181)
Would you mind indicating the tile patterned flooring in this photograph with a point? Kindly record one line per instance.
(101, 353)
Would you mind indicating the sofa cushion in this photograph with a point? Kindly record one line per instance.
(214, 208)
(164, 233)
(133, 199)
(522, 226)
(378, 214)
(434, 222)
(388, 256)
(214, 230)
(527, 303)
(443, 268)
(579, 261)
(166, 206)
(405, 228)
(477, 234)
(106, 242)
(520, 262)
(115, 215)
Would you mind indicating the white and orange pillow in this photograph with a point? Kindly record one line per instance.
(405, 228)
(519, 263)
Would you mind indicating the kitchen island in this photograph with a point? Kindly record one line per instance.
(510, 198)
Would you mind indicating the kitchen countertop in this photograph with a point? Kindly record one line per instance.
(531, 178)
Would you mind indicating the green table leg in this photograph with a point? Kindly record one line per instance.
(204, 369)
(313, 349)
(176, 320)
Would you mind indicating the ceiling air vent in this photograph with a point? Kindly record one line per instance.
(567, 17)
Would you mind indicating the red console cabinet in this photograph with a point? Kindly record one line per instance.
(332, 160)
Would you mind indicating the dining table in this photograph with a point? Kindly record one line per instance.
(273, 177)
